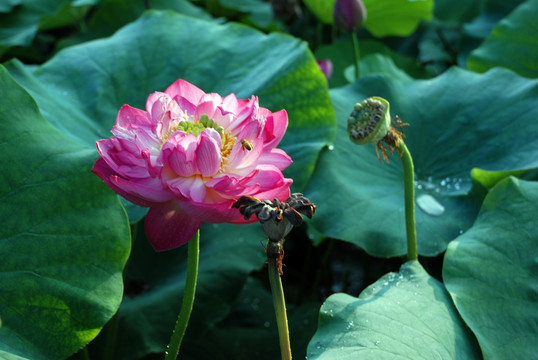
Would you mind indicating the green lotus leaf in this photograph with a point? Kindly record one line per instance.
(341, 55)
(491, 272)
(8, 5)
(396, 17)
(404, 315)
(111, 15)
(323, 9)
(64, 238)
(20, 25)
(454, 127)
(384, 18)
(512, 44)
(457, 11)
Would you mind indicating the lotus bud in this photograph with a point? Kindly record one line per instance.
(349, 15)
(369, 122)
(326, 67)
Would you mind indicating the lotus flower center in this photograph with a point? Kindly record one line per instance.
(196, 127)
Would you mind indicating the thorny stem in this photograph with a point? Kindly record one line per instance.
(280, 309)
(188, 298)
(409, 196)
(356, 54)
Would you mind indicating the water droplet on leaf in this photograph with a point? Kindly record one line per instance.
(430, 205)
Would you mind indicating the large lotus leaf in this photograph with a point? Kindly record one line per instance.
(19, 26)
(404, 315)
(513, 43)
(376, 64)
(396, 17)
(111, 15)
(457, 11)
(8, 5)
(323, 9)
(155, 285)
(64, 237)
(480, 28)
(454, 127)
(257, 12)
(81, 89)
(491, 272)
(340, 53)
(384, 18)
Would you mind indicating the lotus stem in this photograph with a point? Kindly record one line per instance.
(356, 54)
(188, 298)
(280, 308)
(409, 197)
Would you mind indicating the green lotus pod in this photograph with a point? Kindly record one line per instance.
(369, 122)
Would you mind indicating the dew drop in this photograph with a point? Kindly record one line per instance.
(349, 325)
(430, 205)
(330, 147)
(378, 342)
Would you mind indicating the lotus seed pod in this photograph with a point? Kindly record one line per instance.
(369, 122)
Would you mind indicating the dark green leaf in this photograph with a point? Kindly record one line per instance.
(454, 127)
(64, 236)
(250, 330)
(457, 11)
(491, 272)
(323, 9)
(155, 284)
(513, 43)
(404, 315)
(21, 24)
(111, 15)
(341, 55)
(8, 5)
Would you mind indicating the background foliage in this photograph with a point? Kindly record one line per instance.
(462, 74)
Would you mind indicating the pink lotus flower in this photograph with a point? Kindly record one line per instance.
(190, 156)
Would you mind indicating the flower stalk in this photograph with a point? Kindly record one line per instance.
(409, 199)
(349, 15)
(188, 298)
(370, 122)
(356, 54)
(277, 219)
(280, 308)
